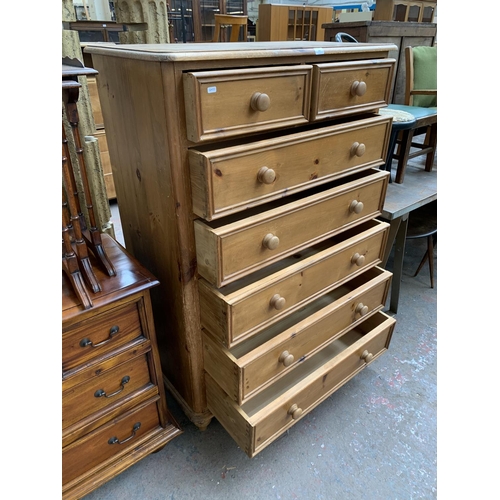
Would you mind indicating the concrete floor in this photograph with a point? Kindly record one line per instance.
(375, 438)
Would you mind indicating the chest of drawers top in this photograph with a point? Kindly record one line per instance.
(256, 50)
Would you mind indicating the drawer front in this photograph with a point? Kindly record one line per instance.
(227, 103)
(109, 388)
(231, 179)
(233, 316)
(110, 441)
(289, 343)
(345, 88)
(100, 335)
(257, 423)
(324, 381)
(231, 251)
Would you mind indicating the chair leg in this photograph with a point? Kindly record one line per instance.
(407, 137)
(430, 251)
(431, 140)
(428, 255)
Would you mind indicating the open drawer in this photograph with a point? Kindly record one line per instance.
(256, 424)
(248, 368)
(236, 246)
(241, 309)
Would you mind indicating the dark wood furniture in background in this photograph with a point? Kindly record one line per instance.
(114, 409)
(419, 11)
(194, 20)
(248, 182)
(292, 22)
(401, 34)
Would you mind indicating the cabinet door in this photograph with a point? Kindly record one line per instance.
(181, 19)
(204, 32)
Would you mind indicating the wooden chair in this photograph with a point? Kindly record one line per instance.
(421, 102)
(344, 37)
(235, 22)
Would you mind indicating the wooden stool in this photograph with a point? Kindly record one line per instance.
(226, 20)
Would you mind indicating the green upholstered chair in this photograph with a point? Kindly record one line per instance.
(421, 102)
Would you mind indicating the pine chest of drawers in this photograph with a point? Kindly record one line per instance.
(113, 400)
(247, 180)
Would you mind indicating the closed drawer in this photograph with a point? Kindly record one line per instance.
(247, 369)
(230, 179)
(257, 423)
(100, 335)
(229, 250)
(110, 441)
(109, 388)
(350, 87)
(237, 311)
(226, 103)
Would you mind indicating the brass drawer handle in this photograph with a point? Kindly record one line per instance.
(277, 301)
(361, 309)
(271, 241)
(266, 175)
(358, 88)
(356, 206)
(295, 411)
(286, 358)
(112, 332)
(367, 356)
(260, 101)
(115, 440)
(102, 393)
(358, 149)
(358, 259)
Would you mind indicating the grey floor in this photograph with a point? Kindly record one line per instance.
(375, 438)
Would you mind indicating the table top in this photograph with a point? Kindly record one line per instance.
(419, 188)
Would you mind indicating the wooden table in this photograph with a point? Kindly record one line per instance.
(419, 188)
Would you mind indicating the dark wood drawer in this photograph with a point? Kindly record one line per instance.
(110, 441)
(112, 386)
(100, 335)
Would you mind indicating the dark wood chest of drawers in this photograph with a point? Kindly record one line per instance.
(114, 410)
(247, 180)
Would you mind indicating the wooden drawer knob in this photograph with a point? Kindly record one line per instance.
(295, 411)
(358, 259)
(277, 301)
(270, 241)
(367, 356)
(266, 175)
(356, 206)
(361, 309)
(358, 149)
(358, 88)
(286, 358)
(260, 101)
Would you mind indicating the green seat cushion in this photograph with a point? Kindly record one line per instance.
(425, 75)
